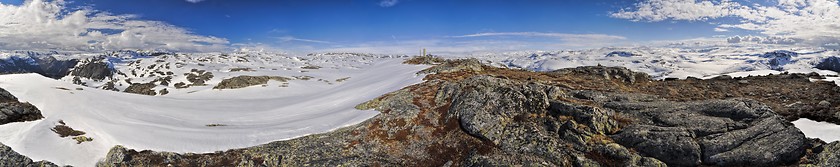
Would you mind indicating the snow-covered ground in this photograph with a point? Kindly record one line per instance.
(669, 62)
(178, 121)
(825, 131)
(320, 97)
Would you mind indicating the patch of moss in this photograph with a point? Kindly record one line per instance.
(81, 139)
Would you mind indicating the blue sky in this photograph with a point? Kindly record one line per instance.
(478, 24)
(355, 21)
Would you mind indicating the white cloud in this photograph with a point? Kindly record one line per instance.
(388, 3)
(194, 1)
(40, 25)
(813, 22)
(562, 36)
(760, 39)
(718, 29)
(659, 10)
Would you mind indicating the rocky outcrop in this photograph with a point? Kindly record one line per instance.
(9, 157)
(467, 114)
(11, 110)
(142, 88)
(827, 155)
(609, 73)
(94, 68)
(830, 63)
(246, 81)
(198, 77)
(735, 132)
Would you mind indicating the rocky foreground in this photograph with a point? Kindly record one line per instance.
(468, 114)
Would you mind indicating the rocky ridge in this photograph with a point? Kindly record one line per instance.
(468, 114)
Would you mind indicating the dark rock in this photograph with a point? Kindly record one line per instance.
(13, 111)
(830, 63)
(246, 81)
(199, 77)
(9, 157)
(620, 73)
(675, 146)
(95, 69)
(143, 89)
(110, 86)
(733, 133)
(830, 155)
(41, 64)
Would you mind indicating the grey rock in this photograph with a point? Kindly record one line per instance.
(13, 111)
(733, 132)
(199, 77)
(455, 65)
(830, 63)
(619, 73)
(672, 145)
(830, 155)
(482, 120)
(9, 157)
(94, 68)
(142, 88)
(246, 81)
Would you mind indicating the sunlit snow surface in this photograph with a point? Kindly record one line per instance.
(828, 132)
(276, 111)
(177, 122)
(668, 62)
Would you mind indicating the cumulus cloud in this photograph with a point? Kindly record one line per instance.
(388, 3)
(39, 25)
(761, 40)
(659, 10)
(812, 22)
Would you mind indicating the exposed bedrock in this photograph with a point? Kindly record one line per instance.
(467, 114)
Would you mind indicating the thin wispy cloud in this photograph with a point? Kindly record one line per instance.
(813, 22)
(41, 25)
(194, 1)
(388, 3)
(544, 34)
(294, 39)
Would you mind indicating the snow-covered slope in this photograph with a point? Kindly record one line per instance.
(199, 118)
(192, 116)
(666, 62)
